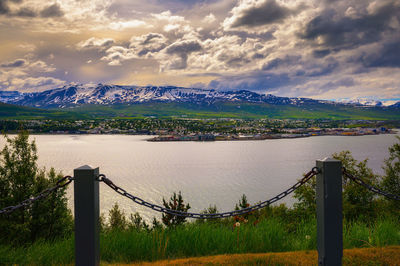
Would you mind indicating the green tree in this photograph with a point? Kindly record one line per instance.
(391, 180)
(156, 224)
(243, 204)
(358, 202)
(20, 178)
(137, 223)
(176, 203)
(117, 219)
(306, 202)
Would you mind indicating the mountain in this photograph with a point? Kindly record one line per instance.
(113, 101)
(75, 95)
(397, 105)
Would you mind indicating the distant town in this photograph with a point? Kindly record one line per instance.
(205, 129)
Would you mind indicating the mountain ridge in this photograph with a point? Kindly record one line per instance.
(103, 94)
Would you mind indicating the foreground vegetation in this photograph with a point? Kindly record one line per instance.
(193, 240)
(42, 233)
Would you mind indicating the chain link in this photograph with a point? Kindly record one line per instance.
(376, 190)
(158, 208)
(62, 182)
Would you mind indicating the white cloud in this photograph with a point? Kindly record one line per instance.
(122, 25)
(167, 16)
(210, 18)
(95, 43)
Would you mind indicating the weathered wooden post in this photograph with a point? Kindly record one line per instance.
(329, 212)
(86, 200)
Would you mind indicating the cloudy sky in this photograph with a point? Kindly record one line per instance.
(323, 49)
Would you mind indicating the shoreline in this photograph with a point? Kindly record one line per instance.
(227, 137)
(211, 138)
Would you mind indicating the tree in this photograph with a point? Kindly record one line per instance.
(117, 218)
(391, 181)
(20, 178)
(137, 223)
(357, 201)
(306, 201)
(176, 203)
(243, 204)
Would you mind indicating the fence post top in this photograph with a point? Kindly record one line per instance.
(85, 167)
(328, 160)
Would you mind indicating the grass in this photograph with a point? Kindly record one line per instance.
(238, 110)
(365, 256)
(217, 110)
(204, 239)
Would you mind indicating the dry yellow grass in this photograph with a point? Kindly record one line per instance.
(363, 256)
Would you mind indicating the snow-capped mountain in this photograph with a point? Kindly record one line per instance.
(113, 94)
(364, 101)
(72, 95)
(10, 96)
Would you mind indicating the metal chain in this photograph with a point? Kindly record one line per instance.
(158, 208)
(361, 182)
(62, 182)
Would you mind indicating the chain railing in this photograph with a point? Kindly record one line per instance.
(66, 180)
(159, 208)
(374, 189)
(62, 182)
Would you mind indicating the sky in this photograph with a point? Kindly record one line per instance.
(335, 50)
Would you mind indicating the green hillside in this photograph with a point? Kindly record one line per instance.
(218, 110)
(9, 111)
(239, 110)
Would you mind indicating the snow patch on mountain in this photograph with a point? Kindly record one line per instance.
(79, 94)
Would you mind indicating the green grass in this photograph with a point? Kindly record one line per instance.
(238, 110)
(9, 111)
(216, 110)
(193, 240)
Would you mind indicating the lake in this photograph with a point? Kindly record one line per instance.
(205, 172)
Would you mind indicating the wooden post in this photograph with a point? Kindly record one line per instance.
(87, 229)
(329, 212)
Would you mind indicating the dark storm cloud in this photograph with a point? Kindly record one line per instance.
(258, 81)
(4, 9)
(16, 63)
(343, 32)
(184, 47)
(325, 69)
(282, 62)
(387, 56)
(52, 11)
(22, 12)
(332, 85)
(151, 36)
(321, 53)
(25, 12)
(267, 13)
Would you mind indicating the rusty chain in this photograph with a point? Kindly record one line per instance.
(62, 182)
(258, 206)
(361, 182)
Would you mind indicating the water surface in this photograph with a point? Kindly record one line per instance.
(206, 172)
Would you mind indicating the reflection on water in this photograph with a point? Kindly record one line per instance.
(206, 172)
